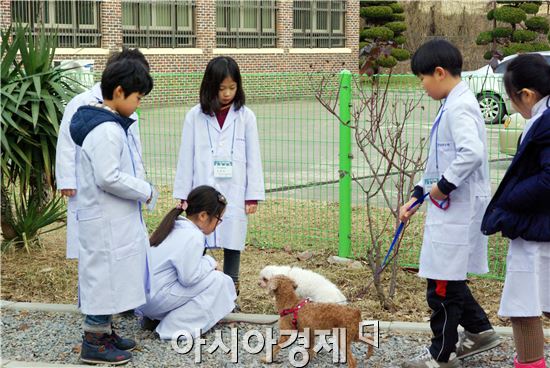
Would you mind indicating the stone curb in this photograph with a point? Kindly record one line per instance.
(265, 319)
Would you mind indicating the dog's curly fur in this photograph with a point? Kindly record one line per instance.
(310, 284)
(315, 316)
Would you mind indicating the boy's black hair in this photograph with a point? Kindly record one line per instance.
(130, 74)
(216, 71)
(436, 53)
(527, 71)
(130, 54)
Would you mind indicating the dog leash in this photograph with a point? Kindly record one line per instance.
(442, 205)
(294, 312)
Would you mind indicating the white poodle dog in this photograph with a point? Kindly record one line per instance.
(310, 284)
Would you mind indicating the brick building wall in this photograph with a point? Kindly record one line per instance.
(283, 59)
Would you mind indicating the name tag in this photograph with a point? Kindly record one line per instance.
(429, 180)
(223, 169)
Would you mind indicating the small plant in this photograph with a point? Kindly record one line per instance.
(33, 95)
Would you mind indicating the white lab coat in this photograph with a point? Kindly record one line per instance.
(112, 272)
(195, 167)
(453, 244)
(67, 158)
(526, 291)
(187, 293)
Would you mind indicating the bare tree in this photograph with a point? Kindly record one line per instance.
(378, 122)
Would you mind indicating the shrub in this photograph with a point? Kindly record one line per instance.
(522, 35)
(539, 24)
(530, 8)
(398, 17)
(488, 55)
(400, 40)
(540, 46)
(515, 48)
(484, 38)
(378, 12)
(396, 27)
(386, 61)
(491, 14)
(400, 54)
(502, 32)
(507, 14)
(377, 33)
(397, 8)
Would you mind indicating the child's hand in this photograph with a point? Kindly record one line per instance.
(436, 194)
(404, 213)
(250, 208)
(68, 192)
(181, 205)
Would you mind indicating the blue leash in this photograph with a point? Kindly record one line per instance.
(400, 230)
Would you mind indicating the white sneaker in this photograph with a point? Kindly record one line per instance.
(471, 343)
(425, 360)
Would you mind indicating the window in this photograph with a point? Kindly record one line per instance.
(319, 23)
(75, 21)
(158, 23)
(245, 23)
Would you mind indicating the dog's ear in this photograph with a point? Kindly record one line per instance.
(272, 285)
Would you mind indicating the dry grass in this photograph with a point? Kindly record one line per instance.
(46, 276)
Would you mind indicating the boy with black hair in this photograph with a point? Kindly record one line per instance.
(67, 155)
(112, 269)
(456, 179)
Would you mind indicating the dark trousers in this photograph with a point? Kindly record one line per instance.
(232, 263)
(452, 304)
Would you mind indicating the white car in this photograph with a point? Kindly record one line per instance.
(488, 86)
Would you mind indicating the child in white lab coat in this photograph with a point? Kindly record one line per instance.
(520, 209)
(187, 292)
(457, 180)
(112, 267)
(67, 152)
(220, 148)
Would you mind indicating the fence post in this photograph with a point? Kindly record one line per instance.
(344, 185)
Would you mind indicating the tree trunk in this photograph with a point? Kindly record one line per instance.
(8, 231)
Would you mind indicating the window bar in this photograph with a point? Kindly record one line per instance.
(75, 23)
(329, 23)
(174, 24)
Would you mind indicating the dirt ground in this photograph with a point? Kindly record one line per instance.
(46, 276)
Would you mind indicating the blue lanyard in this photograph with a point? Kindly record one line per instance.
(232, 139)
(435, 128)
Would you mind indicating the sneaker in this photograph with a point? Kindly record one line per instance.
(474, 343)
(120, 342)
(425, 360)
(104, 353)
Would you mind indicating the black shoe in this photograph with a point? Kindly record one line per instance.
(149, 324)
(120, 342)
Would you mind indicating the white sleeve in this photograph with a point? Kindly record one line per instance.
(133, 133)
(255, 189)
(104, 153)
(65, 155)
(470, 149)
(193, 267)
(183, 182)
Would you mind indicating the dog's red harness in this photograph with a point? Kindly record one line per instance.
(294, 312)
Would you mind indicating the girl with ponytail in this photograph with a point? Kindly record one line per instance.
(520, 210)
(187, 291)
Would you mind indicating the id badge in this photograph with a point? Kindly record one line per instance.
(223, 168)
(430, 178)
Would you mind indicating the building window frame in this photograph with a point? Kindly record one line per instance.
(308, 15)
(35, 13)
(143, 28)
(231, 35)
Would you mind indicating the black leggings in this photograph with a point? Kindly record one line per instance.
(232, 263)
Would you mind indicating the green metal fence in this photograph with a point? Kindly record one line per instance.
(300, 145)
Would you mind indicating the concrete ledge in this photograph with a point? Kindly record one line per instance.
(170, 51)
(227, 51)
(263, 319)
(81, 51)
(338, 50)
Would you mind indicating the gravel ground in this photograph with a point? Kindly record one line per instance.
(56, 337)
